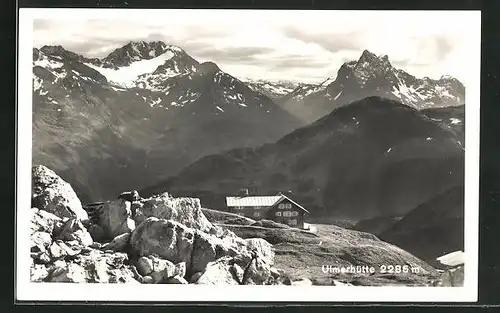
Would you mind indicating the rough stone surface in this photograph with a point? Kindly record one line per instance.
(172, 241)
(43, 221)
(52, 194)
(453, 277)
(114, 217)
(119, 243)
(70, 272)
(160, 270)
(167, 239)
(180, 269)
(186, 211)
(94, 267)
(145, 266)
(258, 273)
(206, 249)
(40, 241)
(38, 272)
(73, 229)
(218, 273)
(263, 248)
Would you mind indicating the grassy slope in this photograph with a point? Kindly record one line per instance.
(301, 254)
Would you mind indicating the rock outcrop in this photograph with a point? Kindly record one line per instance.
(114, 218)
(186, 211)
(52, 194)
(158, 240)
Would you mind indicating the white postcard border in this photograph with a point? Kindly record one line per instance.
(26, 290)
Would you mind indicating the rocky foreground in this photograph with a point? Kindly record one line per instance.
(133, 240)
(167, 240)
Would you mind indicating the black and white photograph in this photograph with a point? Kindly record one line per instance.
(248, 155)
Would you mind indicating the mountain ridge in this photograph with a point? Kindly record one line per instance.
(372, 75)
(371, 157)
(103, 137)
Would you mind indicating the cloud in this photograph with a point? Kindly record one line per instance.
(269, 44)
(333, 43)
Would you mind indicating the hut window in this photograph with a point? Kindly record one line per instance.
(278, 213)
(256, 214)
(281, 206)
(288, 205)
(295, 213)
(286, 213)
(293, 222)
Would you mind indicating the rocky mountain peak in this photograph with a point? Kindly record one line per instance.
(136, 51)
(209, 68)
(371, 62)
(59, 51)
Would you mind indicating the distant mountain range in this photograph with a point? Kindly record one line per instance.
(275, 90)
(149, 116)
(140, 115)
(369, 158)
(372, 75)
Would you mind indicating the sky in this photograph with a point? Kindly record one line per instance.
(304, 46)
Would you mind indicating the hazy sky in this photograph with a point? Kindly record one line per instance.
(307, 46)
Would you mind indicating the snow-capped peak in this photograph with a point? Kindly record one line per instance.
(136, 51)
(125, 76)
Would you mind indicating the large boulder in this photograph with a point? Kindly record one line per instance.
(208, 248)
(168, 239)
(262, 248)
(186, 211)
(114, 218)
(160, 270)
(219, 272)
(175, 242)
(51, 193)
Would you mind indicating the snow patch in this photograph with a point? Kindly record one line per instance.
(125, 76)
(155, 102)
(242, 104)
(455, 120)
(219, 108)
(45, 62)
(452, 259)
(338, 95)
(428, 138)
